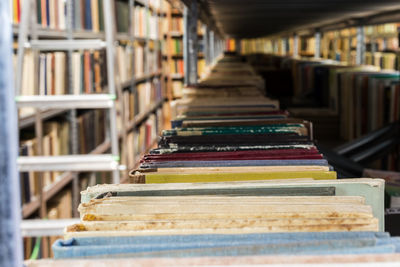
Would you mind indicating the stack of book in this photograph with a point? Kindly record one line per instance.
(235, 178)
(88, 72)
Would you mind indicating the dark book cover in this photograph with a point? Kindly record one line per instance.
(245, 139)
(25, 184)
(101, 15)
(47, 13)
(39, 11)
(88, 14)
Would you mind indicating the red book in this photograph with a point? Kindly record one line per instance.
(237, 154)
(18, 11)
(280, 157)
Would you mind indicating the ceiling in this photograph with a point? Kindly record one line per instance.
(255, 18)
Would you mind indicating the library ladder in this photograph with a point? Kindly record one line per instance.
(74, 162)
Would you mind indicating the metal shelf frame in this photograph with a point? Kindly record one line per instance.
(92, 101)
(36, 227)
(51, 106)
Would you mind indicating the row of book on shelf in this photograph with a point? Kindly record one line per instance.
(177, 66)
(235, 176)
(136, 61)
(88, 70)
(381, 45)
(139, 101)
(363, 94)
(352, 101)
(60, 206)
(56, 136)
(91, 132)
(88, 15)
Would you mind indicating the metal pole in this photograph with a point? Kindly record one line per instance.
(360, 50)
(285, 43)
(22, 39)
(373, 49)
(72, 114)
(274, 46)
(317, 52)
(206, 45)
(190, 43)
(186, 58)
(349, 51)
(10, 207)
(295, 45)
(212, 46)
(109, 28)
(238, 46)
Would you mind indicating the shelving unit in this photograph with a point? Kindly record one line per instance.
(53, 39)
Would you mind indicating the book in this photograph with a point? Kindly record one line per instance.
(138, 177)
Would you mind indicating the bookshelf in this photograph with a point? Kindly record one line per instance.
(140, 100)
(173, 58)
(172, 52)
(353, 85)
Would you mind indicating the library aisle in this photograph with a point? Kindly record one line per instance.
(200, 133)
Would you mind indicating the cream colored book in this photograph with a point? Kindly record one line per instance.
(222, 214)
(371, 189)
(59, 72)
(76, 73)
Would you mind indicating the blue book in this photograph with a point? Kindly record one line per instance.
(88, 15)
(227, 245)
(48, 12)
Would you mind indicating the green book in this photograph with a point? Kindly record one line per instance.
(39, 11)
(101, 16)
(296, 128)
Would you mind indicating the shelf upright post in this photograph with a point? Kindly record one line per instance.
(335, 47)
(212, 46)
(28, 20)
(295, 45)
(285, 43)
(216, 46)
(360, 50)
(124, 116)
(222, 46)
(274, 46)
(238, 46)
(317, 52)
(373, 46)
(349, 40)
(190, 47)
(72, 113)
(206, 44)
(110, 29)
(147, 48)
(168, 49)
(10, 211)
